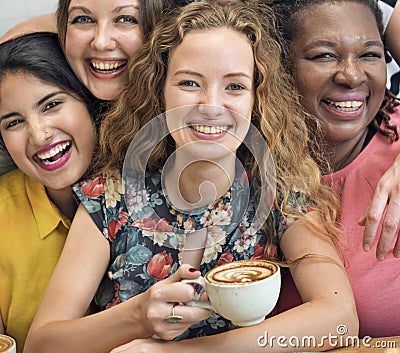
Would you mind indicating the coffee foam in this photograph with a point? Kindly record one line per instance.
(241, 273)
(6, 344)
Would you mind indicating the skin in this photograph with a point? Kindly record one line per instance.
(24, 123)
(58, 326)
(44, 23)
(339, 65)
(102, 33)
(229, 94)
(352, 67)
(385, 203)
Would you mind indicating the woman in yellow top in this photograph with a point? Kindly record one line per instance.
(47, 127)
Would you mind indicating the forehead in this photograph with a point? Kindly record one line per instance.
(230, 41)
(212, 53)
(99, 4)
(335, 18)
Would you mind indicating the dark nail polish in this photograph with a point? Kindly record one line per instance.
(192, 269)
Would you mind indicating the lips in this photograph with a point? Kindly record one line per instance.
(54, 156)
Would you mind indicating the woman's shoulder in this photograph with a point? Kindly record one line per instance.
(101, 191)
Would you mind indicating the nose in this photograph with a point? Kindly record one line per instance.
(212, 111)
(39, 134)
(211, 104)
(103, 38)
(350, 74)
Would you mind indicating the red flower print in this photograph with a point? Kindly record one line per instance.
(225, 258)
(95, 188)
(115, 225)
(163, 226)
(147, 223)
(160, 265)
(258, 252)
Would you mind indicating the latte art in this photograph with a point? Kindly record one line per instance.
(241, 274)
(6, 344)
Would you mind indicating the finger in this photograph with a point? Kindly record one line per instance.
(186, 317)
(373, 217)
(192, 314)
(184, 271)
(166, 293)
(396, 250)
(390, 226)
(386, 239)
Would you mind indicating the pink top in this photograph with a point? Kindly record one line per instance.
(376, 284)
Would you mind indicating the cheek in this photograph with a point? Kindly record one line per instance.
(131, 44)
(15, 145)
(75, 43)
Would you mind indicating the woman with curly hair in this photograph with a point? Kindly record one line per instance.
(210, 98)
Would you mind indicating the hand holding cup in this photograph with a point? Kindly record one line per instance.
(244, 292)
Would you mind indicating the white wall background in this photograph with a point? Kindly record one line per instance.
(15, 11)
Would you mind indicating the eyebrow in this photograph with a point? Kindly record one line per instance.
(9, 115)
(194, 73)
(329, 44)
(38, 104)
(116, 10)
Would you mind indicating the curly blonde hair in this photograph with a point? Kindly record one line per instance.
(277, 112)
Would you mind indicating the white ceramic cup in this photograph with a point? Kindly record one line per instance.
(244, 292)
(7, 344)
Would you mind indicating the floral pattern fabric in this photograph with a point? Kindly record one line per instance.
(147, 235)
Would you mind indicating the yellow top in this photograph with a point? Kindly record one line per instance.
(32, 234)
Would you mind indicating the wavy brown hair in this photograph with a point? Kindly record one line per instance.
(277, 112)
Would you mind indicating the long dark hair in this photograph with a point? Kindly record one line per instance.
(40, 55)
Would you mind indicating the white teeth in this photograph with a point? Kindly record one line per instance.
(207, 129)
(54, 151)
(106, 66)
(348, 105)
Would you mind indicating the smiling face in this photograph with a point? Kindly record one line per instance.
(212, 72)
(101, 36)
(48, 133)
(340, 68)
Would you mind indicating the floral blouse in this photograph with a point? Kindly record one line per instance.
(147, 235)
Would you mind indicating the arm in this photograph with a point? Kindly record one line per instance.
(44, 23)
(328, 303)
(59, 325)
(392, 33)
(384, 205)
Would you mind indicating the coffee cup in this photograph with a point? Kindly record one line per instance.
(244, 292)
(7, 344)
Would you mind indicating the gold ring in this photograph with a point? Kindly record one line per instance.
(173, 318)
